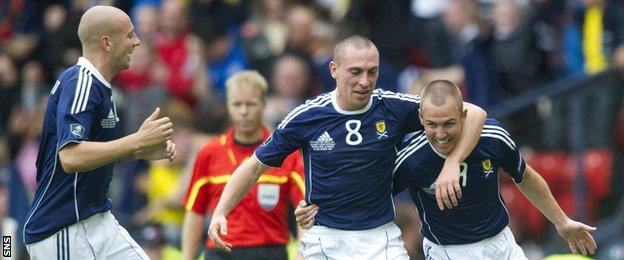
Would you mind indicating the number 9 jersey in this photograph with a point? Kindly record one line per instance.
(348, 155)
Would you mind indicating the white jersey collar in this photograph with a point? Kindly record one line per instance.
(349, 112)
(82, 61)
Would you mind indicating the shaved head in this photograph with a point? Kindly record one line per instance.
(100, 21)
(437, 91)
(356, 41)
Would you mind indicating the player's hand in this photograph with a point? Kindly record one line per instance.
(578, 237)
(448, 191)
(218, 228)
(165, 150)
(154, 130)
(304, 214)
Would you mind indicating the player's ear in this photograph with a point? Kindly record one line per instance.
(105, 43)
(332, 69)
(422, 122)
(464, 113)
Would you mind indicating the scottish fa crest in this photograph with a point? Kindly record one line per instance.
(487, 167)
(77, 130)
(380, 126)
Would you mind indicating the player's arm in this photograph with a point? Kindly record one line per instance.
(448, 190)
(191, 234)
(149, 142)
(243, 178)
(534, 187)
(299, 255)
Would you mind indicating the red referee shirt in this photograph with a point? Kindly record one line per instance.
(261, 217)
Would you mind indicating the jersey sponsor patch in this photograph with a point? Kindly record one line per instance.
(323, 143)
(268, 195)
(110, 121)
(77, 130)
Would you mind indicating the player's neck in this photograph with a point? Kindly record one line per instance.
(102, 64)
(254, 137)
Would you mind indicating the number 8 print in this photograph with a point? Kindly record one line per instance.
(353, 131)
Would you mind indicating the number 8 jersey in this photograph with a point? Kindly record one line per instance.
(348, 155)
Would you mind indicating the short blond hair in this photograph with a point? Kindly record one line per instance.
(248, 78)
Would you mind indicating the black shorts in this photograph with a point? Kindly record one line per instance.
(244, 253)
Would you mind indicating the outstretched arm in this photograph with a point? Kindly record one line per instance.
(448, 190)
(576, 233)
(243, 178)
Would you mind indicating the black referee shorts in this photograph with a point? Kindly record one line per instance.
(245, 253)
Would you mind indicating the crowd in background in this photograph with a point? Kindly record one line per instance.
(495, 49)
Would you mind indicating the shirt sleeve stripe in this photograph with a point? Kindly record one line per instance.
(195, 190)
(497, 136)
(320, 101)
(86, 99)
(83, 89)
(409, 151)
(77, 93)
(501, 133)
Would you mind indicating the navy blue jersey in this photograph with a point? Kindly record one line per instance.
(348, 155)
(80, 108)
(481, 212)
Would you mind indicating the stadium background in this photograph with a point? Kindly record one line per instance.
(550, 69)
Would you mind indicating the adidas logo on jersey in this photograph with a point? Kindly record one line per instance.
(323, 143)
(110, 121)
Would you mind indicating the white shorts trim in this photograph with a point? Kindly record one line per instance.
(98, 237)
(383, 242)
(499, 247)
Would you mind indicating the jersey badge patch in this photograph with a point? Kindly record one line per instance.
(487, 167)
(77, 130)
(323, 143)
(268, 195)
(380, 126)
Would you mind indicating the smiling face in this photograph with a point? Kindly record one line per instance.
(124, 42)
(442, 123)
(356, 70)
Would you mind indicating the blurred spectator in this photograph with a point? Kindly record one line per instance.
(264, 35)
(180, 51)
(164, 179)
(16, 206)
(381, 20)
(290, 85)
(59, 46)
(146, 20)
(9, 91)
(519, 63)
(143, 85)
(300, 21)
(223, 53)
(472, 49)
(26, 121)
(431, 45)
